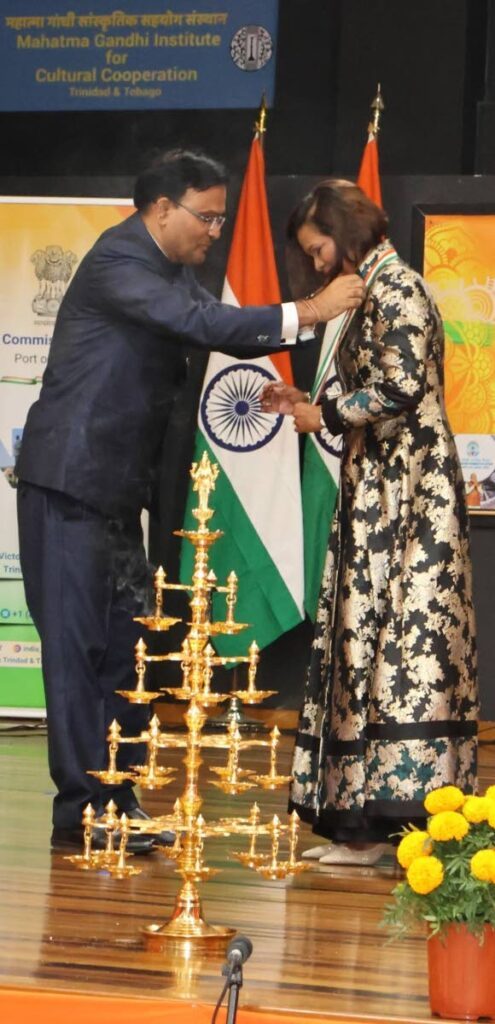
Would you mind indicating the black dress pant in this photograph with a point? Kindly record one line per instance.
(85, 577)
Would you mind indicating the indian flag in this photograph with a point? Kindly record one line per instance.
(257, 498)
(322, 453)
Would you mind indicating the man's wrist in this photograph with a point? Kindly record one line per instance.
(307, 312)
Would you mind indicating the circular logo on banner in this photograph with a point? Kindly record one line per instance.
(329, 442)
(477, 454)
(231, 412)
(251, 48)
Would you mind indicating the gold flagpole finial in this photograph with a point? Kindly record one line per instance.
(377, 107)
(260, 124)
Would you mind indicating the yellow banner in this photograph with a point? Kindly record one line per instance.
(459, 266)
(42, 242)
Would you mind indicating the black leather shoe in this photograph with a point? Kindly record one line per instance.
(68, 838)
(161, 838)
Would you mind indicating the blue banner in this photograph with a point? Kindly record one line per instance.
(89, 55)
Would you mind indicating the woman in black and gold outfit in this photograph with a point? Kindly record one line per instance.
(390, 708)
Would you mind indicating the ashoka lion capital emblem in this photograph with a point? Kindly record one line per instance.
(53, 268)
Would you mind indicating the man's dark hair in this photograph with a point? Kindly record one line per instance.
(172, 173)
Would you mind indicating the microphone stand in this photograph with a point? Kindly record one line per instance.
(234, 983)
(238, 951)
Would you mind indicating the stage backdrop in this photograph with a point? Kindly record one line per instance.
(42, 241)
(459, 265)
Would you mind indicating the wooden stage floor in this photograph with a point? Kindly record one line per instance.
(318, 944)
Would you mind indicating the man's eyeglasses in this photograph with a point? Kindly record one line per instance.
(210, 220)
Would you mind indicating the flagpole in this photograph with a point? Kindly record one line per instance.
(234, 713)
(260, 124)
(377, 108)
(369, 175)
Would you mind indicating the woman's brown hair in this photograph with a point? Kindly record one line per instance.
(341, 210)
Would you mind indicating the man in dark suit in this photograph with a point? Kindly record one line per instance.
(90, 453)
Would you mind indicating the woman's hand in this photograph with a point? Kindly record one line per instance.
(281, 398)
(307, 418)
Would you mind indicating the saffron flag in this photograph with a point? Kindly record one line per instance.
(322, 453)
(369, 172)
(257, 497)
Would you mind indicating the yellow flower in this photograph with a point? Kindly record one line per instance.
(415, 844)
(425, 874)
(477, 808)
(448, 798)
(447, 825)
(490, 793)
(483, 865)
(491, 813)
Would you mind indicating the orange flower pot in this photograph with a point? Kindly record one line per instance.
(462, 973)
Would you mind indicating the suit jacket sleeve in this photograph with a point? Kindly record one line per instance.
(130, 284)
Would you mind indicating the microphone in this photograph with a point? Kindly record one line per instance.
(239, 950)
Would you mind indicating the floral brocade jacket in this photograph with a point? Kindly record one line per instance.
(391, 700)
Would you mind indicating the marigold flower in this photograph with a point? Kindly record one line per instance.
(448, 798)
(491, 813)
(415, 844)
(425, 874)
(490, 793)
(483, 865)
(447, 825)
(477, 808)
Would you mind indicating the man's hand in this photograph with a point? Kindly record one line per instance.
(307, 418)
(281, 398)
(346, 292)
